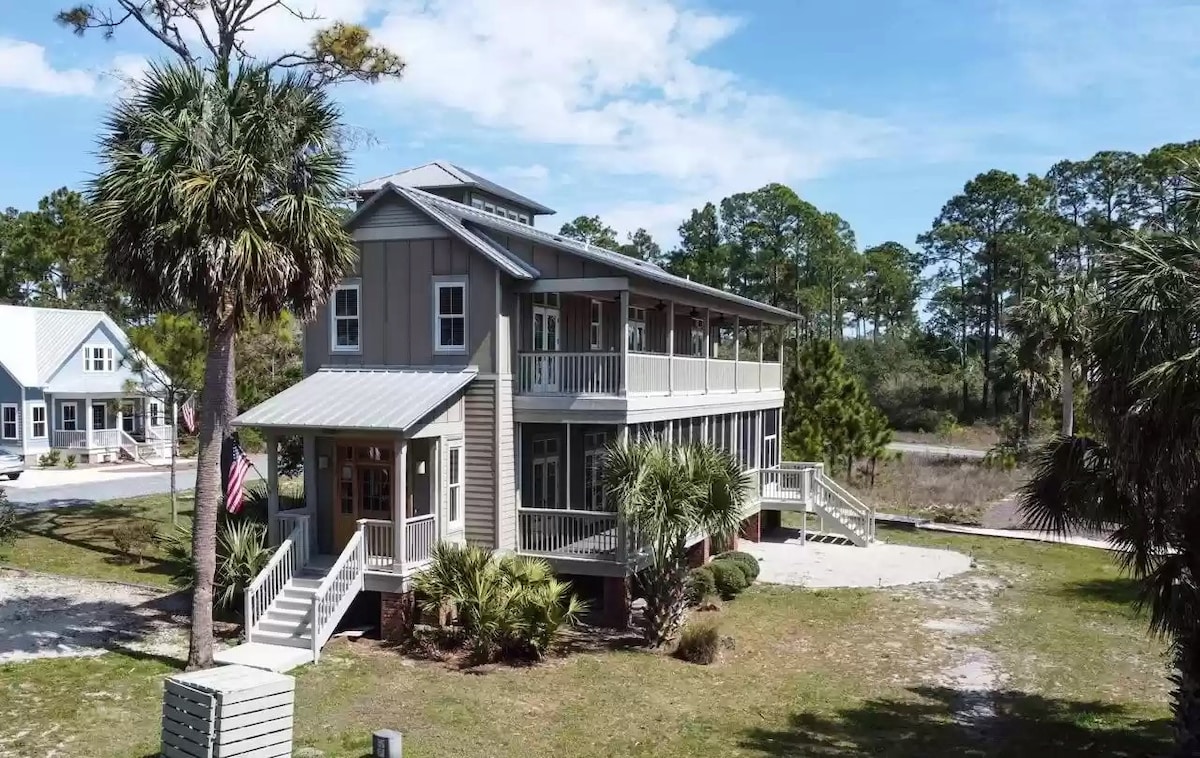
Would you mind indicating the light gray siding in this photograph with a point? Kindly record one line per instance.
(481, 461)
(397, 278)
(506, 525)
(70, 376)
(394, 212)
(13, 393)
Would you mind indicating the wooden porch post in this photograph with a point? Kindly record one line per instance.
(624, 341)
(671, 347)
(737, 349)
(400, 504)
(272, 440)
(707, 343)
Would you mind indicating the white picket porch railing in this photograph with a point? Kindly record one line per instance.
(580, 534)
(569, 373)
(420, 537)
(69, 439)
(339, 588)
(289, 558)
(377, 539)
(645, 374)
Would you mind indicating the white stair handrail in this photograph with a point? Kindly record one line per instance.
(860, 514)
(339, 588)
(289, 557)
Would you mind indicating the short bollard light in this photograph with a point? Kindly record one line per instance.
(387, 743)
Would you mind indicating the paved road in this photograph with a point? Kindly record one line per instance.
(943, 451)
(105, 485)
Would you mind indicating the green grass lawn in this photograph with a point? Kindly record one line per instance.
(812, 673)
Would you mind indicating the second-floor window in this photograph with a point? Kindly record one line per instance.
(637, 329)
(450, 321)
(596, 330)
(97, 358)
(347, 320)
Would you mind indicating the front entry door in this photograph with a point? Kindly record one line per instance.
(545, 473)
(364, 487)
(547, 318)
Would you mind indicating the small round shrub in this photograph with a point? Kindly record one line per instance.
(700, 642)
(700, 583)
(749, 562)
(730, 578)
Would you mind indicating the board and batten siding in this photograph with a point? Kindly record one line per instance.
(479, 480)
(396, 324)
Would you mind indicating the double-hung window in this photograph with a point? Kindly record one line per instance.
(596, 330)
(8, 422)
(97, 359)
(37, 425)
(346, 315)
(454, 477)
(450, 315)
(637, 329)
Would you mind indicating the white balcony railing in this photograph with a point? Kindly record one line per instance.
(377, 541)
(420, 537)
(648, 374)
(582, 534)
(68, 439)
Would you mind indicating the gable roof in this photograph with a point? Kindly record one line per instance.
(442, 174)
(504, 259)
(37, 341)
(467, 217)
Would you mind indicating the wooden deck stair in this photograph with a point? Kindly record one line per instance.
(804, 488)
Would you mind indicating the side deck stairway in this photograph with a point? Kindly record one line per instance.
(805, 488)
(293, 606)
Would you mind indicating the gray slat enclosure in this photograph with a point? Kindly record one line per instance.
(228, 712)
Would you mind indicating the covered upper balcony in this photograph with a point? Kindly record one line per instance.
(626, 344)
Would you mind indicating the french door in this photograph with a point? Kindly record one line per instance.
(545, 465)
(593, 475)
(364, 487)
(547, 323)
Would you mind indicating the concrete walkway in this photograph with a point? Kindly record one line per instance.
(783, 559)
(1019, 534)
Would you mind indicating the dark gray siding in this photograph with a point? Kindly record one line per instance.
(481, 463)
(11, 392)
(397, 307)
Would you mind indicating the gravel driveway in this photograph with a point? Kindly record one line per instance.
(43, 616)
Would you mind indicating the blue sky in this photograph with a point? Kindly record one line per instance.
(639, 110)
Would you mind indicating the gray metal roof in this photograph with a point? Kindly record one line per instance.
(37, 341)
(438, 174)
(468, 216)
(359, 399)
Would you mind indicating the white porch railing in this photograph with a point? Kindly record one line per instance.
(377, 539)
(807, 486)
(649, 374)
(749, 374)
(583, 534)
(569, 373)
(689, 375)
(339, 588)
(107, 438)
(289, 558)
(772, 376)
(722, 376)
(420, 537)
(69, 439)
(285, 522)
(837, 499)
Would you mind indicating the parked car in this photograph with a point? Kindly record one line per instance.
(11, 464)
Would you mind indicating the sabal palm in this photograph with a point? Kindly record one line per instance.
(664, 494)
(219, 197)
(1139, 478)
(1053, 316)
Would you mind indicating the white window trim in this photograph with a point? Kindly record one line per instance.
(440, 283)
(106, 358)
(74, 408)
(16, 422)
(596, 317)
(334, 347)
(154, 410)
(33, 422)
(455, 524)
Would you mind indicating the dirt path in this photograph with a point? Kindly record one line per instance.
(44, 616)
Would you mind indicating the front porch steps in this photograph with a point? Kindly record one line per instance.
(283, 636)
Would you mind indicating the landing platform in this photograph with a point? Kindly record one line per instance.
(277, 658)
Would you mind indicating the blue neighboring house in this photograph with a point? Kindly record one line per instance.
(65, 384)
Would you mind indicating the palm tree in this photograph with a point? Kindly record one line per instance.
(665, 493)
(219, 198)
(1138, 478)
(1053, 316)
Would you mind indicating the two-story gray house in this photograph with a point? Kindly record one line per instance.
(462, 386)
(66, 384)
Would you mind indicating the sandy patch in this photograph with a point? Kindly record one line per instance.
(51, 616)
(820, 565)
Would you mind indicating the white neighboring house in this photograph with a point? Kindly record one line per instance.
(65, 385)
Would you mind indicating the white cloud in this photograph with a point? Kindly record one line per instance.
(618, 84)
(24, 66)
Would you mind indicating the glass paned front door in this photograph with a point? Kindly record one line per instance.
(546, 323)
(545, 473)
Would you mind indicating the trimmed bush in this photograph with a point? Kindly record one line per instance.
(730, 577)
(8, 523)
(749, 562)
(699, 642)
(700, 583)
(135, 538)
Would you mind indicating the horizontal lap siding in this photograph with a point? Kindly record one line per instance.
(480, 469)
(506, 532)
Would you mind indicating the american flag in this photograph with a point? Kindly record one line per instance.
(188, 413)
(237, 468)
